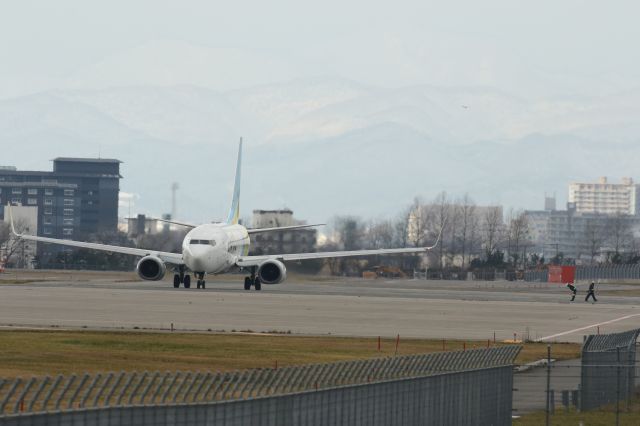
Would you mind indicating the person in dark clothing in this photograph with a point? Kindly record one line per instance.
(573, 290)
(591, 292)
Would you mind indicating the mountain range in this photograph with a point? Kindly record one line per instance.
(326, 146)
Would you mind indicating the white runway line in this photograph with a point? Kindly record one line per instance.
(575, 330)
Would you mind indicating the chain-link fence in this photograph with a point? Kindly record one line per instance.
(600, 387)
(439, 386)
(608, 368)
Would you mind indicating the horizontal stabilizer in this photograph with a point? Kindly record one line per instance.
(281, 228)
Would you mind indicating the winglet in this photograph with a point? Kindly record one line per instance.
(13, 229)
(444, 223)
(234, 212)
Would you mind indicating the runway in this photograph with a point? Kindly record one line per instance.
(342, 307)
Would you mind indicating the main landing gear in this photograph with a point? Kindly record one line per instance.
(252, 281)
(185, 279)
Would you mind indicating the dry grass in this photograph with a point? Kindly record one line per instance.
(603, 417)
(25, 353)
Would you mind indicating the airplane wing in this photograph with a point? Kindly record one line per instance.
(173, 258)
(281, 228)
(245, 261)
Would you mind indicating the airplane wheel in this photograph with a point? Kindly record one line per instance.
(187, 281)
(247, 283)
(257, 284)
(202, 284)
(176, 281)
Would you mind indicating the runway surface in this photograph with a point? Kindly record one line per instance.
(349, 307)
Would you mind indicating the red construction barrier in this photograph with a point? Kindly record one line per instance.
(562, 274)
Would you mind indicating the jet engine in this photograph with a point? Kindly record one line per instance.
(272, 272)
(151, 268)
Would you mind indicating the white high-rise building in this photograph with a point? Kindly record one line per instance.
(604, 197)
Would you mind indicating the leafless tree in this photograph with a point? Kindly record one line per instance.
(467, 212)
(492, 223)
(619, 230)
(594, 237)
(418, 223)
(518, 232)
(379, 234)
(347, 233)
(442, 210)
(401, 228)
(10, 247)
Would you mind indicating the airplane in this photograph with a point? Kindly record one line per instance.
(215, 248)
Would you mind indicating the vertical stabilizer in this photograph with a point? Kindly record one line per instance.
(234, 213)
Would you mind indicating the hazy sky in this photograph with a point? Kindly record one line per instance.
(534, 48)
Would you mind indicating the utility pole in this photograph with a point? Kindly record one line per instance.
(548, 410)
(174, 188)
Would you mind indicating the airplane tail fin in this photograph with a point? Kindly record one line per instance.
(234, 212)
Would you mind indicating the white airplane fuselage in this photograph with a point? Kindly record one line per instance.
(214, 248)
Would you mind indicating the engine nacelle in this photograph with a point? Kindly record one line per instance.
(272, 272)
(151, 268)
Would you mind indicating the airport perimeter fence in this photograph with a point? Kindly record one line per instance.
(608, 369)
(592, 273)
(471, 387)
(596, 387)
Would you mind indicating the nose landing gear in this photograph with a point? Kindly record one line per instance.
(252, 281)
(200, 282)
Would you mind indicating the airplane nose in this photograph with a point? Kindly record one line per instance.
(193, 258)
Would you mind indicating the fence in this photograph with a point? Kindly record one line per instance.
(608, 368)
(470, 387)
(588, 273)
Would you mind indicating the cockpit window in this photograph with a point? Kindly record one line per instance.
(203, 242)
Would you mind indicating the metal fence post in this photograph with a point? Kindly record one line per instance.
(547, 419)
(618, 386)
(9, 394)
(52, 389)
(78, 389)
(105, 383)
(37, 393)
(95, 380)
(65, 389)
(20, 399)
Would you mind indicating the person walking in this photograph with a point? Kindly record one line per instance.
(573, 290)
(591, 292)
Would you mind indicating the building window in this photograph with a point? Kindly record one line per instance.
(68, 192)
(67, 231)
(32, 191)
(47, 220)
(48, 201)
(50, 180)
(16, 190)
(68, 202)
(68, 212)
(46, 230)
(32, 201)
(48, 210)
(16, 201)
(67, 221)
(48, 192)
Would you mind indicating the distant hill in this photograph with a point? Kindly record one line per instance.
(327, 146)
